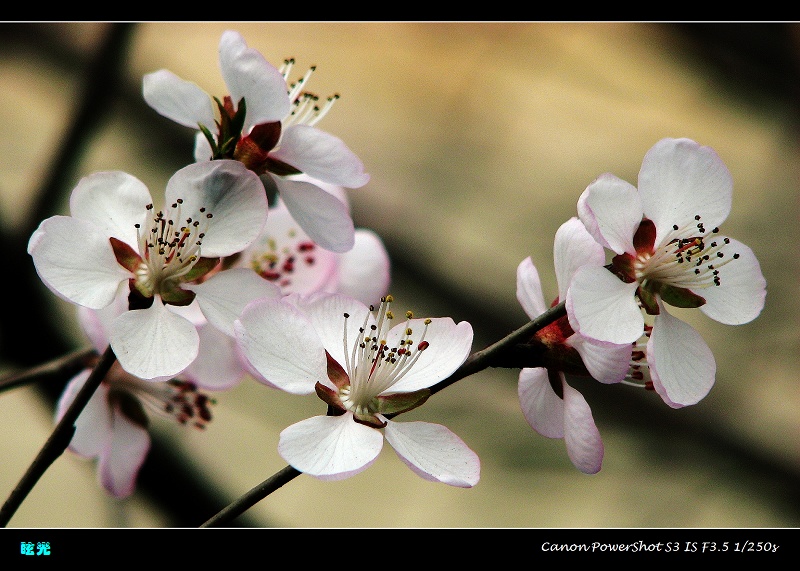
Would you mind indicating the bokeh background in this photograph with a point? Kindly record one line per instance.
(479, 138)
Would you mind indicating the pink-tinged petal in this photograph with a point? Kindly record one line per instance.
(603, 307)
(224, 295)
(113, 203)
(529, 289)
(574, 248)
(541, 406)
(177, 99)
(284, 254)
(435, 453)
(154, 343)
(247, 74)
(680, 179)
(124, 455)
(280, 343)
(96, 323)
(326, 314)
(740, 296)
(611, 210)
(321, 155)
(322, 216)
(75, 262)
(584, 445)
(202, 150)
(330, 447)
(231, 193)
(93, 426)
(364, 272)
(682, 366)
(606, 362)
(449, 345)
(218, 365)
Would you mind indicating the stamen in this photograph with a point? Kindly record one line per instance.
(690, 258)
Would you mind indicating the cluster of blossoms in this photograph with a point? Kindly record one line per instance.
(252, 266)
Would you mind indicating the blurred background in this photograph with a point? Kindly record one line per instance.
(479, 138)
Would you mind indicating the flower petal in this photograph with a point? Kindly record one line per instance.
(231, 193)
(248, 74)
(93, 426)
(154, 343)
(606, 362)
(611, 210)
(742, 291)
(284, 254)
(224, 295)
(529, 289)
(541, 406)
(574, 248)
(364, 271)
(434, 452)
(584, 445)
(330, 447)
(321, 155)
(124, 455)
(449, 344)
(680, 179)
(280, 343)
(202, 150)
(75, 262)
(682, 366)
(218, 365)
(326, 314)
(112, 202)
(321, 215)
(603, 307)
(177, 99)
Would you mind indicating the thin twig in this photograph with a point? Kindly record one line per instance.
(59, 439)
(251, 498)
(61, 369)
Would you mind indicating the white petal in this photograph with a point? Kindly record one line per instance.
(449, 346)
(682, 366)
(321, 155)
(224, 295)
(364, 271)
(112, 202)
(611, 210)
(154, 343)
(330, 447)
(247, 74)
(742, 291)
(177, 99)
(202, 150)
(124, 455)
(584, 445)
(680, 179)
(606, 362)
(326, 314)
(280, 343)
(574, 248)
(218, 365)
(76, 262)
(311, 268)
(231, 193)
(603, 307)
(529, 289)
(93, 426)
(541, 406)
(321, 215)
(433, 452)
